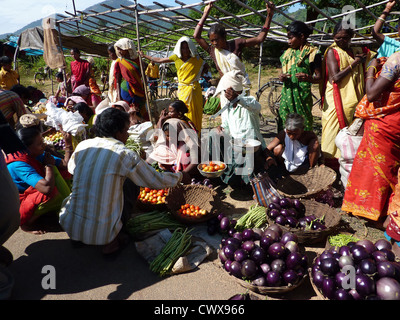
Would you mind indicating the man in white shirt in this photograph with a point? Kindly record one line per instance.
(102, 169)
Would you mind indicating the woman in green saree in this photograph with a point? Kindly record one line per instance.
(301, 67)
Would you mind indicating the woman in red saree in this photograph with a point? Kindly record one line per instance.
(374, 173)
(80, 70)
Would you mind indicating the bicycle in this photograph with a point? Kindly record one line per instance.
(43, 74)
(273, 89)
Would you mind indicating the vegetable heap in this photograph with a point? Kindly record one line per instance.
(255, 217)
(360, 270)
(291, 213)
(150, 221)
(212, 167)
(268, 258)
(153, 196)
(206, 182)
(55, 139)
(135, 146)
(190, 210)
(177, 246)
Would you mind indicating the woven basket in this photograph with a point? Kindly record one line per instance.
(308, 184)
(270, 290)
(198, 195)
(332, 220)
(317, 291)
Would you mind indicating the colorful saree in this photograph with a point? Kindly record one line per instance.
(189, 90)
(296, 95)
(132, 90)
(340, 98)
(373, 177)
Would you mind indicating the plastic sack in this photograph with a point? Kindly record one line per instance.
(71, 122)
(151, 247)
(348, 140)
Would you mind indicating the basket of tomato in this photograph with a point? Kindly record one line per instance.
(152, 199)
(212, 169)
(193, 203)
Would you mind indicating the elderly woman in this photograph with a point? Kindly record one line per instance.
(189, 68)
(373, 177)
(294, 146)
(36, 174)
(128, 81)
(342, 88)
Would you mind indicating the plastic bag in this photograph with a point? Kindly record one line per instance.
(71, 122)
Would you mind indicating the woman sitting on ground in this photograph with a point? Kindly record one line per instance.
(176, 109)
(36, 173)
(294, 147)
(177, 148)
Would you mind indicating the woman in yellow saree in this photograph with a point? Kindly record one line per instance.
(189, 68)
(342, 88)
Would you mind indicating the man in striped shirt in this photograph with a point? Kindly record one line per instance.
(12, 106)
(101, 168)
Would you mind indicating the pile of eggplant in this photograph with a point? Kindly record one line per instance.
(360, 270)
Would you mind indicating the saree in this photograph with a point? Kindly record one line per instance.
(33, 202)
(189, 88)
(296, 95)
(180, 150)
(132, 90)
(373, 177)
(79, 73)
(340, 98)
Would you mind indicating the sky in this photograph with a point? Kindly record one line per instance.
(15, 14)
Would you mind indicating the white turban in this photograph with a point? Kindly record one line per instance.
(232, 79)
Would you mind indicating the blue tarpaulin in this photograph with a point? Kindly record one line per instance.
(13, 42)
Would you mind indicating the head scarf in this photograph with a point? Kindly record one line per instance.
(81, 90)
(126, 44)
(75, 99)
(192, 47)
(29, 120)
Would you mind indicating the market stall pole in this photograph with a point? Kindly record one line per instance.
(146, 91)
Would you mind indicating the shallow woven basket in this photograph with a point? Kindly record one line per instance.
(308, 184)
(317, 291)
(198, 195)
(270, 290)
(331, 220)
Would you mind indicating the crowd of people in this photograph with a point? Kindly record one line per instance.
(353, 84)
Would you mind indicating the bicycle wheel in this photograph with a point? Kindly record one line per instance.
(173, 93)
(39, 78)
(274, 97)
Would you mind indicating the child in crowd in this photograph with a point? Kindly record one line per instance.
(8, 76)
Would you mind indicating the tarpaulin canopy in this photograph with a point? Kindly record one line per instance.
(33, 39)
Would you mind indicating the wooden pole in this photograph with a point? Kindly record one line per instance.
(146, 91)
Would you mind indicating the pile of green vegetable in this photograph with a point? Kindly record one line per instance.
(150, 221)
(341, 239)
(134, 145)
(177, 246)
(255, 217)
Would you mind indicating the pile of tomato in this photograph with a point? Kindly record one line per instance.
(212, 167)
(191, 210)
(153, 196)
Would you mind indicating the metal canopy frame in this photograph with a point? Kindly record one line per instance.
(108, 28)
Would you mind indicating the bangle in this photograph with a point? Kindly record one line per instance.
(371, 77)
(376, 70)
(200, 24)
(266, 29)
(384, 20)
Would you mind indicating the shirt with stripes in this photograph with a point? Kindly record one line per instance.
(92, 212)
